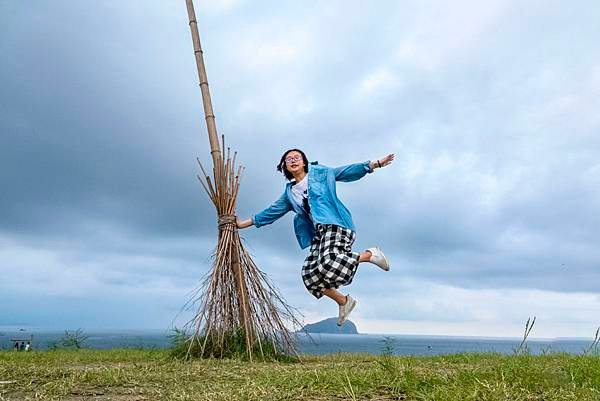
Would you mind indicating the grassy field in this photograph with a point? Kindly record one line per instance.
(128, 375)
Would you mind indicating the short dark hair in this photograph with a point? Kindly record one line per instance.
(281, 164)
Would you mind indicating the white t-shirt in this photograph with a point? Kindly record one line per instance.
(300, 191)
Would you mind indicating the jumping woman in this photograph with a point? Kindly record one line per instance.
(323, 223)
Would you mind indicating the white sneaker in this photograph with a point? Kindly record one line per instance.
(346, 309)
(378, 258)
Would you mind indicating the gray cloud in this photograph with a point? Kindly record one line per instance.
(490, 109)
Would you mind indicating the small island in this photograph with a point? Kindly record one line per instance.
(330, 326)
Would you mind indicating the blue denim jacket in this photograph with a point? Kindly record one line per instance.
(325, 206)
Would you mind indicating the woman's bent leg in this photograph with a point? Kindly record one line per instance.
(365, 256)
(334, 294)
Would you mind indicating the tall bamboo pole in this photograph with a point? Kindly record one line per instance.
(208, 110)
(241, 290)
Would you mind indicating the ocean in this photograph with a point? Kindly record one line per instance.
(318, 343)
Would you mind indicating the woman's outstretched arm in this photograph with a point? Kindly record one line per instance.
(277, 209)
(353, 172)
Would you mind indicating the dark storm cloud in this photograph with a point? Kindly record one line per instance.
(87, 131)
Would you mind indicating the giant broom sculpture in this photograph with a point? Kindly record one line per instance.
(238, 306)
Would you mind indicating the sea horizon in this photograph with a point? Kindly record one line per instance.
(4, 329)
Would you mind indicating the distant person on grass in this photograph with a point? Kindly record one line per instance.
(323, 223)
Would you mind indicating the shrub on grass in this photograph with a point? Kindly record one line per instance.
(232, 346)
(70, 340)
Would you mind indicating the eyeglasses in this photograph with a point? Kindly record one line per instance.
(291, 159)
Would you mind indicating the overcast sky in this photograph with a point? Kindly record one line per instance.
(489, 214)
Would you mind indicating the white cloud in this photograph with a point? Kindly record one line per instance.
(380, 80)
(281, 103)
(216, 7)
(59, 268)
(426, 308)
(447, 33)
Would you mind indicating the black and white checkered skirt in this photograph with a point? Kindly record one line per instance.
(331, 262)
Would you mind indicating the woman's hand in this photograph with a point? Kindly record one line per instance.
(385, 161)
(243, 223)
